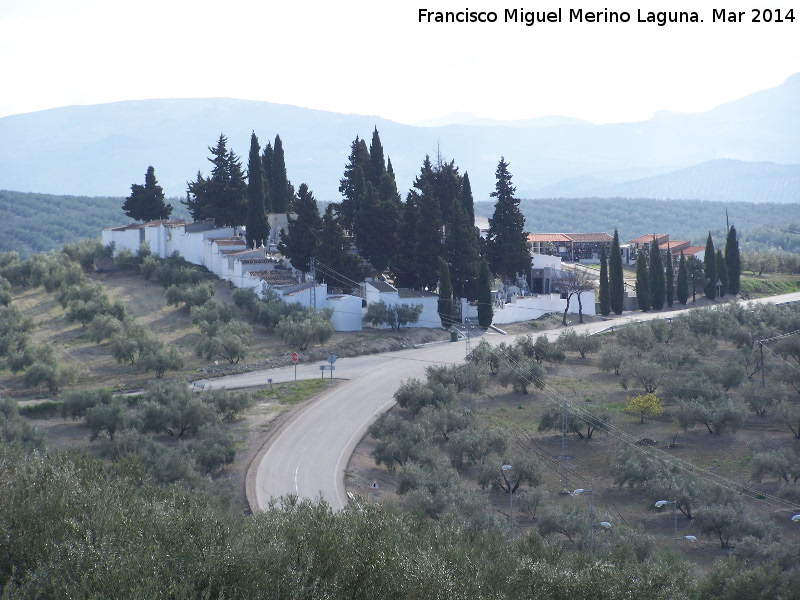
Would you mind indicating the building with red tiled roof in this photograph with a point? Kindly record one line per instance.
(570, 246)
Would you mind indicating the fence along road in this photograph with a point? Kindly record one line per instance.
(309, 454)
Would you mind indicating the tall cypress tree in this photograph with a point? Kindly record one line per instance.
(682, 291)
(389, 168)
(403, 267)
(146, 202)
(428, 239)
(710, 270)
(643, 293)
(616, 285)
(485, 310)
(266, 176)
(446, 309)
(281, 188)
(670, 271)
(376, 165)
(722, 273)
(605, 296)
(657, 281)
(257, 230)
(733, 261)
(333, 251)
(377, 221)
(463, 253)
(508, 245)
(299, 243)
(467, 201)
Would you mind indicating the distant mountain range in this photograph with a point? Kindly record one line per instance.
(745, 150)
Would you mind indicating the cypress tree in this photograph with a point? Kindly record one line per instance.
(446, 309)
(733, 261)
(428, 240)
(266, 176)
(485, 311)
(333, 251)
(257, 230)
(710, 270)
(376, 223)
(508, 245)
(670, 271)
(722, 273)
(146, 202)
(616, 285)
(682, 291)
(389, 168)
(403, 267)
(281, 188)
(299, 243)
(657, 281)
(643, 293)
(463, 253)
(376, 165)
(467, 201)
(605, 297)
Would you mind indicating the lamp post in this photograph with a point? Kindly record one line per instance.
(578, 492)
(510, 497)
(674, 503)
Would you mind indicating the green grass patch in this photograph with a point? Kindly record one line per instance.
(292, 393)
(759, 287)
(41, 410)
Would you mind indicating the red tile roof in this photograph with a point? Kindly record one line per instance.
(647, 238)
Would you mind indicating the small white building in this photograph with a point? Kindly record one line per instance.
(381, 291)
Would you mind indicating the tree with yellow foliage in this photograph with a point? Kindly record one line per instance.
(647, 404)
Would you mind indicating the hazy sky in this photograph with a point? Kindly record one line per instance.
(375, 58)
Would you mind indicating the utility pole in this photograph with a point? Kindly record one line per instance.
(313, 296)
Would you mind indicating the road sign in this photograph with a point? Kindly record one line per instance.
(331, 358)
(294, 357)
(374, 485)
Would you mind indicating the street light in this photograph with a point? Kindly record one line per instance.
(578, 492)
(510, 497)
(674, 503)
(796, 518)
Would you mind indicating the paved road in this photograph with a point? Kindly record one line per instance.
(310, 453)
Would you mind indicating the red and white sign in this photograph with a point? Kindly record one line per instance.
(294, 357)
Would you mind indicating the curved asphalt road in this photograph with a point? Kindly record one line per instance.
(309, 454)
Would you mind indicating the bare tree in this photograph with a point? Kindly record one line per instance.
(573, 283)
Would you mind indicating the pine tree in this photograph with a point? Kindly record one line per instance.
(643, 293)
(336, 263)
(467, 201)
(463, 253)
(733, 262)
(682, 288)
(266, 176)
(351, 186)
(445, 306)
(223, 196)
(146, 202)
(657, 281)
(722, 273)
(616, 284)
(605, 297)
(281, 189)
(508, 249)
(299, 243)
(446, 187)
(257, 229)
(670, 271)
(710, 270)
(485, 311)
